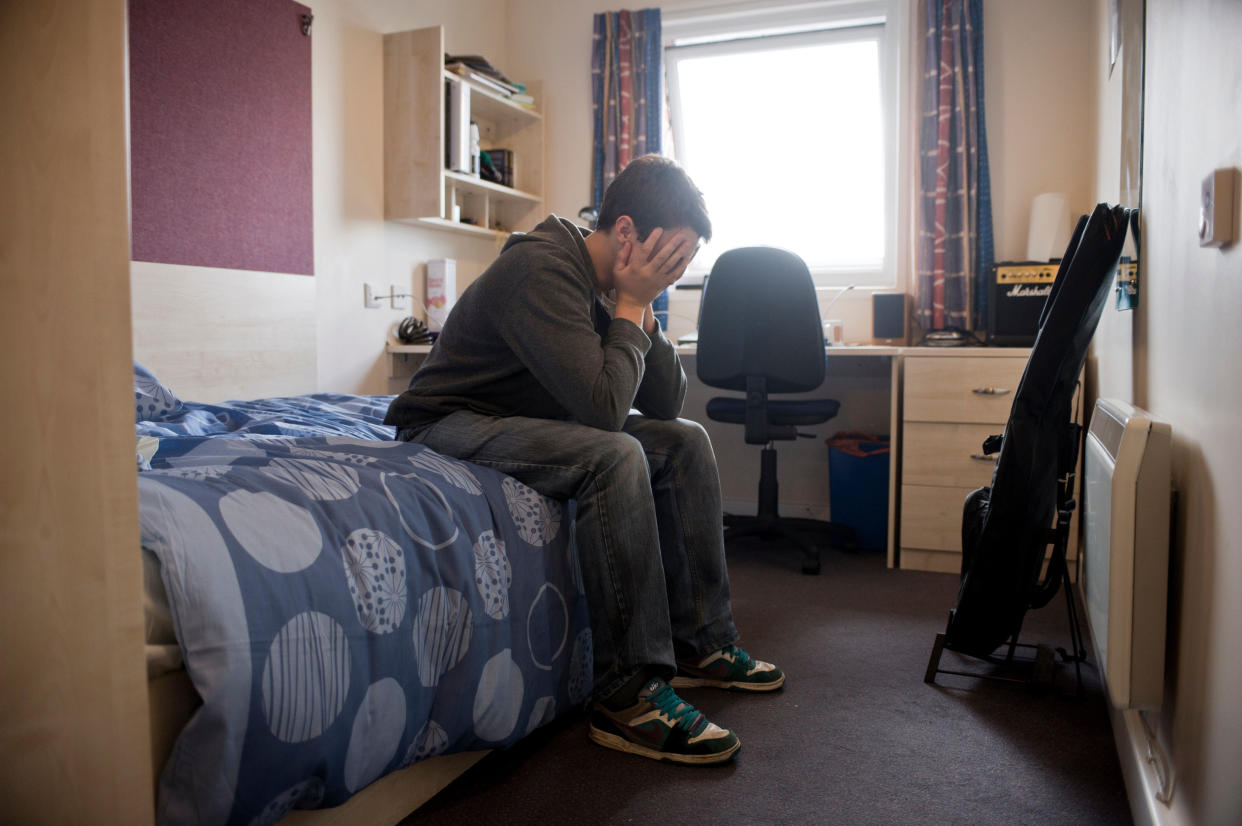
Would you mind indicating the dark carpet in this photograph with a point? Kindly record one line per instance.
(855, 737)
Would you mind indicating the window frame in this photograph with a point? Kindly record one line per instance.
(719, 29)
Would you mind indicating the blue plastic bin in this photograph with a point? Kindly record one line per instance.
(858, 486)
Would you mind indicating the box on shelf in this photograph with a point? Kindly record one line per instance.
(441, 291)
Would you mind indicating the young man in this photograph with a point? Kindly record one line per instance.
(535, 374)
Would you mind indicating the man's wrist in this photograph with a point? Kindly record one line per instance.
(630, 310)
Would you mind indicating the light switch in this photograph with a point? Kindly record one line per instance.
(1216, 208)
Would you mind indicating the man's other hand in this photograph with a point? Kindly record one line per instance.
(644, 269)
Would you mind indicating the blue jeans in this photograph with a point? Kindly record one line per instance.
(648, 527)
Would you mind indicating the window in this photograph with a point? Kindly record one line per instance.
(789, 128)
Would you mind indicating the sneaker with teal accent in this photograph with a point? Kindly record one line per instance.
(663, 727)
(730, 668)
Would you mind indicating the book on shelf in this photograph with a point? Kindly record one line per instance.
(500, 87)
(479, 65)
(498, 166)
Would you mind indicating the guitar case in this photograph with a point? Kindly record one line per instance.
(1008, 525)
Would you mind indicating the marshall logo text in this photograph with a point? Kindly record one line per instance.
(1029, 291)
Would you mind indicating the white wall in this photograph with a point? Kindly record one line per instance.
(353, 243)
(1039, 110)
(1114, 338)
(1186, 337)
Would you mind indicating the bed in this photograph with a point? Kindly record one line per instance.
(331, 612)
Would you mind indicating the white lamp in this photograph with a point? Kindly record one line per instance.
(1049, 232)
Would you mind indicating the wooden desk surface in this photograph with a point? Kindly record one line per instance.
(833, 350)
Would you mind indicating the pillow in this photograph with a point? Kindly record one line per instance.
(152, 400)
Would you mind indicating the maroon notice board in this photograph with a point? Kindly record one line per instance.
(220, 134)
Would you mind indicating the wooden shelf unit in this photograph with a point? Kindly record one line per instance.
(417, 187)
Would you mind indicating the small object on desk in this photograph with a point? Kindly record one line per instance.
(945, 338)
(834, 333)
(890, 318)
(412, 330)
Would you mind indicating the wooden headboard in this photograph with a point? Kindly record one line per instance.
(218, 334)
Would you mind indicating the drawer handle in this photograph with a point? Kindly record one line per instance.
(989, 391)
(983, 457)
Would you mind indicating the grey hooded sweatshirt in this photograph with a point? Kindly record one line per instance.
(532, 337)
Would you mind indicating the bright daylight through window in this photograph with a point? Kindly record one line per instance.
(786, 136)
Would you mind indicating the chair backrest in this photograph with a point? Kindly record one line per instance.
(760, 317)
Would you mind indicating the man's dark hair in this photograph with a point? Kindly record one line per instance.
(655, 192)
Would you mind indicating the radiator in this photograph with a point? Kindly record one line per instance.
(1126, 550)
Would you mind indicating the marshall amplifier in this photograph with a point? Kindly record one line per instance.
(1019, 290)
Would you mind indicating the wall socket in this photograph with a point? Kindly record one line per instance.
(371, 296)
(1216, 217)
(398, 298)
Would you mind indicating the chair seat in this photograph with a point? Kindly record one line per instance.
(793, 412)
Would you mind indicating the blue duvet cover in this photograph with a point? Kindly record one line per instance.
(347, 604)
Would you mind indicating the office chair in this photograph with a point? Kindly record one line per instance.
(760, 332)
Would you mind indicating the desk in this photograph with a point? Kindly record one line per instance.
(403, 360)
(936, 421)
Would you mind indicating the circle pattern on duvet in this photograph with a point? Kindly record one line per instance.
(492, 574)
(198, 474)
(537, 518)
(348, 458)
(306, 677)
(541, 626)
(498, 698)
(452, 471)
(308, 793)
(319, 480)
(279, 534)
(377, 730)
(581, 668)
(375, 571)
(543, 712)
(429, 742)
(441, 633)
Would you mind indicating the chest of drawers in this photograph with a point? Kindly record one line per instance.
(951, 402)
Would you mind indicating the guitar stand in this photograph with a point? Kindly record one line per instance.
(1037, 671)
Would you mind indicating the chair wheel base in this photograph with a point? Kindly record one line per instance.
(793, 532)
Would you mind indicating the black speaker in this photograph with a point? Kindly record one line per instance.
(889, 323)
(1018, 292)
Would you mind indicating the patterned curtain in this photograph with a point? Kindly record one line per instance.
(626, 71)
(954, 254)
